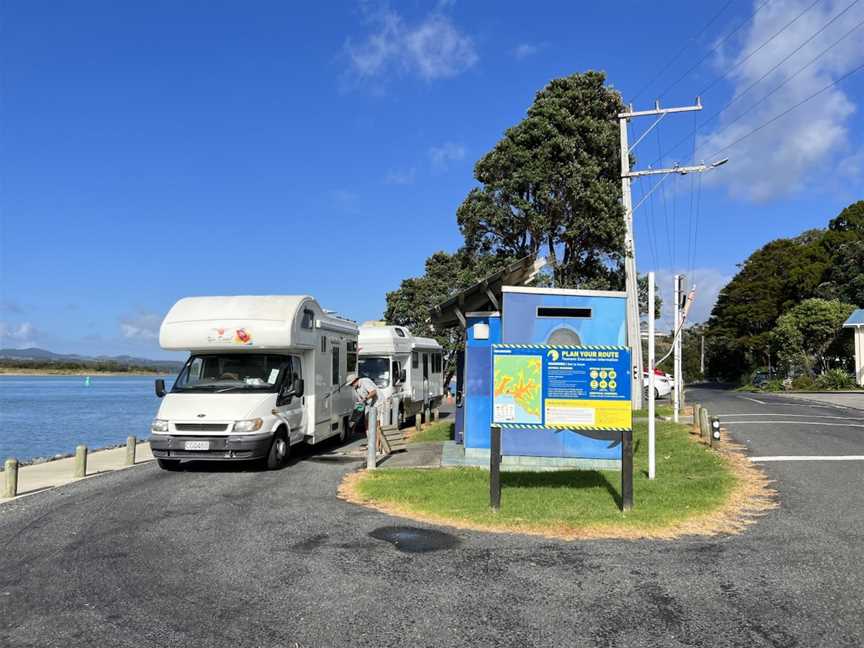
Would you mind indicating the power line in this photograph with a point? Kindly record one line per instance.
(665, 205)
(790, 109)
(683, 49)
(769, 72)
(750, 55)
(714, 49)
(674, 220)
(648, 232)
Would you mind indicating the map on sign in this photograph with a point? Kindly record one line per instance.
(518, 389)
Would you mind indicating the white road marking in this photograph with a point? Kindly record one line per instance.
(754, 400)
(819, 416)
(808, 458)
(861, 425)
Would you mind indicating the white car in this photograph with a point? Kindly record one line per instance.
(662, 384)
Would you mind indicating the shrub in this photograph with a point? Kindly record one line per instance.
(774, 386)
(803, 383)
(835, 379)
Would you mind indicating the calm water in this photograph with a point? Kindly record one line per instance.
(41, 416)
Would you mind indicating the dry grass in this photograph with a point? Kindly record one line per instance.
(750, 496)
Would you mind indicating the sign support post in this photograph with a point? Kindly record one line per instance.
(495, 469)
(652, 424)
(626, 470)
(562, 388)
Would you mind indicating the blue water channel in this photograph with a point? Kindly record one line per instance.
(41, 416)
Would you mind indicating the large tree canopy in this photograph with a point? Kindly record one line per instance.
(826, 264)
(552, 186)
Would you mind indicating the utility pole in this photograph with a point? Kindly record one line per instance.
(633, 338)
(702, 360)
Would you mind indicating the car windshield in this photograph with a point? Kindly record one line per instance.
(232, 372)
(376, 369)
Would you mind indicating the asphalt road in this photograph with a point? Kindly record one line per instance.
(227, 557)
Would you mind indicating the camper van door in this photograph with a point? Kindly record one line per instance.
(425, 379)
(289, 406)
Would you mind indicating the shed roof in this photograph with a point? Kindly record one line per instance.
(855, 319)
(485, 295)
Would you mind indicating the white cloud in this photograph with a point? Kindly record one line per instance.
(808, 143)
(708, 282)
(17, 336)
(432, 49)
(400, 177)
(143, 326)
(524, 50)
(442, 156)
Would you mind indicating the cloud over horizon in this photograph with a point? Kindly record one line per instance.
(142, 326)
(17, 336)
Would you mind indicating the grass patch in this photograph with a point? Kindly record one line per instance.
(440, 431)
(697, 490)
(663, 410)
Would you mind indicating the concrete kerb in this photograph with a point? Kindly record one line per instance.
(34, 478)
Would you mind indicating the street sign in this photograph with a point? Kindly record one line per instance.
(562, 387)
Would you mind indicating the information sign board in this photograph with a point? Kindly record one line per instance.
(561, 387)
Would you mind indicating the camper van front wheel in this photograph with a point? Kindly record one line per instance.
(279, 451)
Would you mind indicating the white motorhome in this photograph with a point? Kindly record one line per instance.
(408, 371)
(264, 373)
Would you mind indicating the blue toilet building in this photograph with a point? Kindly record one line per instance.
(535, 316)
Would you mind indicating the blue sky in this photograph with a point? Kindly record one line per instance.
(162, 149)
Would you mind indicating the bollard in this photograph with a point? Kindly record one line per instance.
(11, 488)
(371, 437)
(714, 437)
(131, 443)
(696, 414)
(418, 420)
(703, 422)
(80, 461)
(432, 416)
(436, 414)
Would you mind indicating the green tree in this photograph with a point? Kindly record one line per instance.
(772, 280)
(844, 243)
(806, 333)
(551, 186)
(445, 274)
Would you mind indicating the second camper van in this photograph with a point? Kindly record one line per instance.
(408, 371)
(264, 373)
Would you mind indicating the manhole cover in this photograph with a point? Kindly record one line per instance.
(415, 540)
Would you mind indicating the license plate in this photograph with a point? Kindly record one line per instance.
(196, 445)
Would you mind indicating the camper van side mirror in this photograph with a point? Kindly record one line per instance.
(402, 376)
(298, 387)
(160, 387)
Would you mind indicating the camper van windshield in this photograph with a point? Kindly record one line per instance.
(376, 369)
(232, 372)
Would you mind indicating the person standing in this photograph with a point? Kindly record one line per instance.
(365, 394)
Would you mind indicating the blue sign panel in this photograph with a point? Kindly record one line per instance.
(561, 387)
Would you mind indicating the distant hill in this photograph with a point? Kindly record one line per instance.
(43, 356)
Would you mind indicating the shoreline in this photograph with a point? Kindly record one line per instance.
(82, 374)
